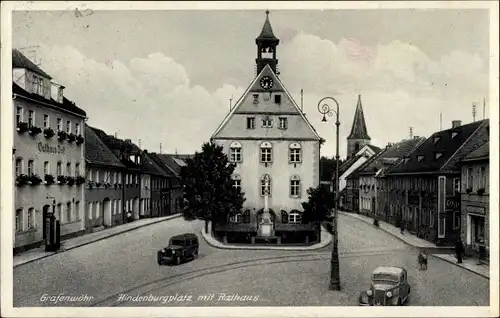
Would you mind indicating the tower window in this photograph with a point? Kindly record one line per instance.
(255, 98)
(277, 99)
(250, 122)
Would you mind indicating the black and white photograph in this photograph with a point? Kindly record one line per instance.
(249, 159)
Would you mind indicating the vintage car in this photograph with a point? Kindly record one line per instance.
(389, 287)
(180, 248)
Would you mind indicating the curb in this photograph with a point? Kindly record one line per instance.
(269, 248)
(430, 254)
(97, 240)
(454, 263)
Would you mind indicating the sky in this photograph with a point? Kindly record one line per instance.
(167, 77)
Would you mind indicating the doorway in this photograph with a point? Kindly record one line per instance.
(107, 212)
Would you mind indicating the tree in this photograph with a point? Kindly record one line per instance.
(208, 187)
(318, 206)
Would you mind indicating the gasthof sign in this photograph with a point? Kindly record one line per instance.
(44, 147)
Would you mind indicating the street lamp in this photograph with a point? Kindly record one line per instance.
(325, 109)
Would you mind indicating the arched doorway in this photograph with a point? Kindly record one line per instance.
(107, 212)
(135, 210)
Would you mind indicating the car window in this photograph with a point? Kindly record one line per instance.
(178, 242)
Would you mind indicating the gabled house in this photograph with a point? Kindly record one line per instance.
(424, 188)
(104, 189)
(160, 187)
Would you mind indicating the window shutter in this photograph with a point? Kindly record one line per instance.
(246, 216)
(284, 217)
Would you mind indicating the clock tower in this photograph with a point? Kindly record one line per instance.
(266, 47)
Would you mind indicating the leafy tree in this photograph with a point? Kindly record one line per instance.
(208, 187)
(318, 206)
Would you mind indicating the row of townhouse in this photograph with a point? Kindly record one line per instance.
(87, 179)
(437, 186)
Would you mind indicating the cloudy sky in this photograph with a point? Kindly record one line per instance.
(167, 76)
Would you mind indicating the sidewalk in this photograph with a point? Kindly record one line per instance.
(444, 253)
(326, 239)
(69, 244)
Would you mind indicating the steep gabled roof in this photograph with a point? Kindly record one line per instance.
(96, 152)
(361, 169)
(358, 129)
(66, 105)
(481, 153)
(152, 167)
(390, 156)
(167, 162)
(433, 154)
(21, 61)
(118, 146)
(267, 69)
(267, 31)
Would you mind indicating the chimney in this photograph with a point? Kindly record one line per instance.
(129, 141)
(456, 123)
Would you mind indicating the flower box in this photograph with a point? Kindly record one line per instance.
(49, 179)
(80, 180)
(33, 130)
(62, 135)
(22, 179)
(61, 180)
(48, 132)
(79, 140)
(35, 180)
(70, 181)
(71, 137)
(22, 127)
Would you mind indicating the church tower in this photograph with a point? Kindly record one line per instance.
(358, 137)
(266, 47)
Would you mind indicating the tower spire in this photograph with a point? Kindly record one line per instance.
(358, 130)
(266, 47)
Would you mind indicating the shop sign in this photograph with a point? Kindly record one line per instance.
(44, 147)
(475, 209)
(452, 204)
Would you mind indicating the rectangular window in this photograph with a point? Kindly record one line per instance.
(59, 212)
(31, 118)
(277, 99)
(97, 209)
(456, 186)
(77, 129)
(46, 121)
(68, 169)
(19, 220)
(59, 124)
(31, 167)
(77, 210)
(456, 219)
(46, 168)
(77, 169)
(255, 98)
(59, 168)
(470, 179)
(68, 127)
(483, 178)
(19, 166)
(432, 218)
(237, 184)
(31, 218)
(90, 211)
(283, 123)
(295, 188)
(441, 226)
(19, 115)
(267, 123)
(35, 84)
(266, 155)
(40, 86)
(96, 177)
(235, 155)
(250, 122)
(68, 212)
(295, 155)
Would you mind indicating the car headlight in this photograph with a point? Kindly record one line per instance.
(163, 250)
(389, 294)
(173, 252)
(369, 292)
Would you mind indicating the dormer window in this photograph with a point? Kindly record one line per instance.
(438, 155)
(267, 122)
(420, 158)
(436, 139)
(60, 95)
(255, 98)
(37, 85)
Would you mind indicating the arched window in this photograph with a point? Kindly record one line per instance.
(235, 152)
(295, 217)
(68, 169)
(284, 216)
(295, 152)
(264, 186)
(266, 152)
(59, 168)
(19, 220)
(295, 186)
(237, 218)
(246, 216)
(236, 181)
(90, 211)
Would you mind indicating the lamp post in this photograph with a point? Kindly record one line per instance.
(325, 109)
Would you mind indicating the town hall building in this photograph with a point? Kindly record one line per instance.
(276, 151)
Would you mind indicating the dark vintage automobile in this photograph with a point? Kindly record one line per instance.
(180, 248)
(389, 287)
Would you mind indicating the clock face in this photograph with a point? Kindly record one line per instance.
(266, 82)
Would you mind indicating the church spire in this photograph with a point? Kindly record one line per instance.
(266, 47)
(358, 130)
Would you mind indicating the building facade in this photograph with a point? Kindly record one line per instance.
(475, 206)
(104, 187)
(161, 186)
(267, 134)
(48, 156)
(424, 189)
(170, 189)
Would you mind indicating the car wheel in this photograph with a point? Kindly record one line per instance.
(399, 302)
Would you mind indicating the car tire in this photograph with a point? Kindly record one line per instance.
(399, 302)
